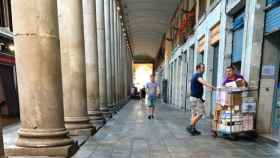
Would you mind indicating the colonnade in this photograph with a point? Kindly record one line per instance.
(74, 70)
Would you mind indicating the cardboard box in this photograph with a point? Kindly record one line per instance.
(226, 126)
(248, 122)
(229, 99)
(249, 105)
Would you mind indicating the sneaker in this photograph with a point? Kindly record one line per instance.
(152, 116)
(190, 129)
(196, 132)
(149, 117)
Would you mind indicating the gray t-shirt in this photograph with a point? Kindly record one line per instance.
(152, 88)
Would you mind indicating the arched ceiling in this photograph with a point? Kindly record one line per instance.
(147, 22)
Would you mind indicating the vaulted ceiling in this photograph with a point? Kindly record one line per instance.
(147, 22)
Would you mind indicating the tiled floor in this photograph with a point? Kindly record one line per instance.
(131, 135)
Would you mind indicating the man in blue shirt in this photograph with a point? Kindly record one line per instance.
(197, 102)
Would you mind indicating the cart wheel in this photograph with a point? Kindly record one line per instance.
(233, 137)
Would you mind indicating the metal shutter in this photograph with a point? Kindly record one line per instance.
(272, 21)
(238, 29)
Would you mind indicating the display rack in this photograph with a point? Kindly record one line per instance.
(235, 113)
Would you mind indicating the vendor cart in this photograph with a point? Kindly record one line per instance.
(235, 113)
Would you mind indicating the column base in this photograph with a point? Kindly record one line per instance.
(97, 119)
(117, 106)
(79, 126)
(60, 151)
(111, 109)
(106, 113)
(84, 132)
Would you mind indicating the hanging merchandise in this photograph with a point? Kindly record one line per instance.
(187, 23)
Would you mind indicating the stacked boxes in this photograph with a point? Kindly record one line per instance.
(249, 105)
(228, 124)
(229, 99)
(248, 122)
(235, 112)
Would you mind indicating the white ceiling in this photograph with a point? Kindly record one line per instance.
(147, 22)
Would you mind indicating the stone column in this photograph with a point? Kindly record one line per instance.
(113, 20)
(122, 71)
(123, 68)
(118, 63)
(116, 56)
(91, 55)
(36, 37)
(73, 67)
(102, 58)
(125, 72)
(108, 36)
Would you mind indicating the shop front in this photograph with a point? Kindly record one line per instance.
(272, 30)
(269, 118)
(9, 105)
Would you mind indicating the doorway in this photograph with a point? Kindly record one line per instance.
(214, 76)
(277, 100)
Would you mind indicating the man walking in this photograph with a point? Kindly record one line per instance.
(197, 103)
(152, 88)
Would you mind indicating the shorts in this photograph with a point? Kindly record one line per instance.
(197, 106)
(152, 101)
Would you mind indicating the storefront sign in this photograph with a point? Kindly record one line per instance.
(268, 70)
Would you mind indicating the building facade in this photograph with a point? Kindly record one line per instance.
(222, 33)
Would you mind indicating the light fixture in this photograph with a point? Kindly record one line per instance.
(11, 47)
(118, 8)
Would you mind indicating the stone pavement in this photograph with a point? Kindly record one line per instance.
(131, 135)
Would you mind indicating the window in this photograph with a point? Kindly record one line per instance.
(5, 14)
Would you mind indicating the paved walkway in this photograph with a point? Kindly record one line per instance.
(131, 135)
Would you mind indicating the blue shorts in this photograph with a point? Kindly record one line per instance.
(152, 101)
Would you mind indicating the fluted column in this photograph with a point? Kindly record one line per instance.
(39, 79)
(73, 67)
(91, 55)
(108, 37)
(102, 58)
